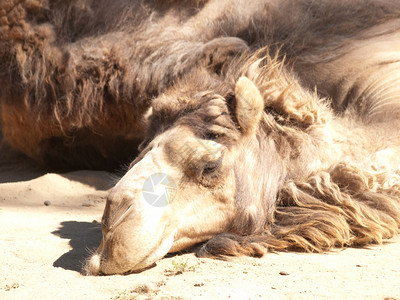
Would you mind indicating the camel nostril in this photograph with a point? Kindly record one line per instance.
(117, 206)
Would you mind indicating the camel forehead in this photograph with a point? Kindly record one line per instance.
(204, 113)
(181, 145)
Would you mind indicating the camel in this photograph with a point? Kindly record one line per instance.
(260, 162)
(281, 171)
(265, 126)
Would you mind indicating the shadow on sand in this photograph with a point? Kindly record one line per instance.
(84, 238)
(15, 167)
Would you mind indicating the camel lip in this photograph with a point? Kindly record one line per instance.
(130, 272)
(100, 265)
(140, 270)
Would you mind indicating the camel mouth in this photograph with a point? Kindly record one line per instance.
(103, 262)
(93, 267)
(130, 272)
(137, 271)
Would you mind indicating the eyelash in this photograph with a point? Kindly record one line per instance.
(211, 166)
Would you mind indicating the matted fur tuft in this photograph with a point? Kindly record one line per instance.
(359, 200)
(282, 92)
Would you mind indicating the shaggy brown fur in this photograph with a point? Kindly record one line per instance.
(77, 76)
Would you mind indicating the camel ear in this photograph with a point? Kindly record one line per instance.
(249, 105)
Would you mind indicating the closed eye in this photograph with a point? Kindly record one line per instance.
(211, 136)
(211, 166)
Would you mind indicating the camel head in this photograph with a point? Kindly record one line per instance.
(191, 181)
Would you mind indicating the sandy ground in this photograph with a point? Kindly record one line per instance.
(42, 249)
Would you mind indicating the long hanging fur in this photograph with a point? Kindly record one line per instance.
(342, 206)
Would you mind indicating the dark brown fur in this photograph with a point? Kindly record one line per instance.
(74, 94)
(77, 76)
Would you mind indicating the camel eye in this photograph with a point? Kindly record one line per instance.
(212, 136)
(211, 166)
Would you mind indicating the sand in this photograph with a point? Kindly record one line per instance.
(42, 248)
